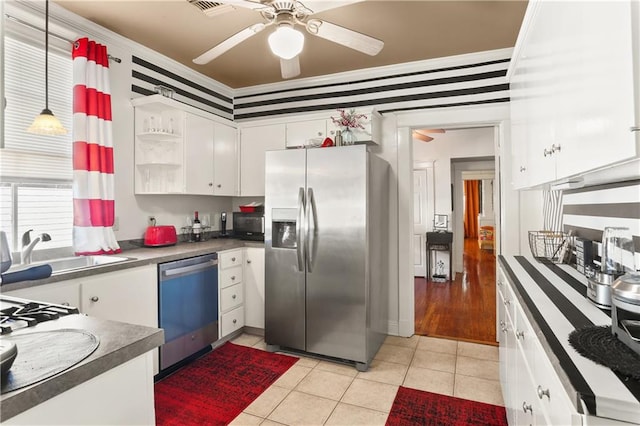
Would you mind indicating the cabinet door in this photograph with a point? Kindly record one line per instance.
(595, 94)
(225, 160)
(199, 137)
(254, 287)
(300, 133)
(65, 293)
(130, 295)
(254, 142)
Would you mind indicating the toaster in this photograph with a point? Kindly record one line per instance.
(160, 236)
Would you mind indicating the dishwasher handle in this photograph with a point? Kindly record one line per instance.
(191, 268)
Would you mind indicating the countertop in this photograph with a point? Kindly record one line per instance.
(553, 298)
(143, 256)
(119, 343)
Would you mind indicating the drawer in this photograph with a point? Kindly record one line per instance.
(232, 321)
(229, 258)
(230, 276)
(231, 297)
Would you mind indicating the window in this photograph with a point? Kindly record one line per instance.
(36, 171)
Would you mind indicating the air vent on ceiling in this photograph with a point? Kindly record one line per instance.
(211, 8)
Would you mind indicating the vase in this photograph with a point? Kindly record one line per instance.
(348, 138)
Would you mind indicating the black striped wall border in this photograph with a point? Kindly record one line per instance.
(587, 211)
(146, 75)
(464, 84)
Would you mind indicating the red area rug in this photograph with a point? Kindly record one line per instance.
(416, 407)
(214, 389)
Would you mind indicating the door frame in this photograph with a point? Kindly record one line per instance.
(427, 214)
(493, 115)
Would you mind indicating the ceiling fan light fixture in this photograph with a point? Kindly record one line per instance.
(286, 42)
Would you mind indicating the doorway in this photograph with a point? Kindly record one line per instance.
(463, 308)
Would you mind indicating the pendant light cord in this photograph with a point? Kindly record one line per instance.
(46, 55)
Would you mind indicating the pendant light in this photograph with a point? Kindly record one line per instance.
(46, 123)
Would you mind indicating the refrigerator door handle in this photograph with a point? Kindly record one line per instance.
(299, 242)
(312, 234)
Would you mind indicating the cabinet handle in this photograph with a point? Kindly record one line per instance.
(219, 186)
(233, 297)
(634, 128)
(519, 334)
(233, 259)
(235, 321)
(526, 407)
(556, 148)
(500, 284)
(319, 133)
(65, 303)
(543, 392)
(522, 169)
(233, 277)
(95, 299)
(548, 152)
(248, 260)
(507, 302)
(210, 183)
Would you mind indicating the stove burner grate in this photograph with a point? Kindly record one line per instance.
(29, 314)
(599, 345)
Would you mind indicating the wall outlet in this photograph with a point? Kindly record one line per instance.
(151, 221)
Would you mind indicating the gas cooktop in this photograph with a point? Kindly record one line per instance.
(16, 313)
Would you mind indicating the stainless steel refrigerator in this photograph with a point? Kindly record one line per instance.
(326, 273)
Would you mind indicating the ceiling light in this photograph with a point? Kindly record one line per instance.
(286, 42)
(46, 123)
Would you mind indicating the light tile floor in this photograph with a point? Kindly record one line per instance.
(315, 392)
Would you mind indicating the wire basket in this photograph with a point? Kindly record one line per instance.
(551, 245)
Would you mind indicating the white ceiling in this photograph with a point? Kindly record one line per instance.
(411, 31)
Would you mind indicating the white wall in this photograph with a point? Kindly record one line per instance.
(456, 143)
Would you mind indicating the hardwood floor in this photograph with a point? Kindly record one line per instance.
(464, 309)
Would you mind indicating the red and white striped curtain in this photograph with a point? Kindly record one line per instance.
(93, 193)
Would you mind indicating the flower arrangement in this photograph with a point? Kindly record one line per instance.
(350, 119)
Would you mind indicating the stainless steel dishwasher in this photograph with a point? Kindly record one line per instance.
(188, 307)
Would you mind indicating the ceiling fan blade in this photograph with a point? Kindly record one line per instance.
(420, 136)
(227, 44)
(290, 67)
(432, 131)
(344, 36)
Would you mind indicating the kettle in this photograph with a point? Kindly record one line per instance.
(5, 253)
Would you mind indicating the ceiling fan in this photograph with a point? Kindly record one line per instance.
(286, 41)
(423, 134)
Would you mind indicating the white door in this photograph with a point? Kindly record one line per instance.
(419, 222)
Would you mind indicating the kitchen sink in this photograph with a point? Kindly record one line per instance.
(66, 264)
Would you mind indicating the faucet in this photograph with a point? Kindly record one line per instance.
(28, 245)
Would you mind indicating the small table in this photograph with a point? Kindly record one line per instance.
(440, 241)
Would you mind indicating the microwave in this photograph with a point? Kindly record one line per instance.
(248, 226)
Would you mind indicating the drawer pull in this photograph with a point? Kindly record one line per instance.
(248, 260)
(233, 259)
(543, 392)
(219, 185)
(634, 128)
(233, 277)
(499, 283)
(95, 299)
(507, 302)
(526, 407)
(233, 297)
(548, 152)
(522, 169)
(235, 321)
(519, 334)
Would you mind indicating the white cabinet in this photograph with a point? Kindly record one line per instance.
(533, 393)
(159, 147)
(225, 160)
(129, 295)
(210, 157)
(179, 149)
(254, 142)
(254, 287)
(62, 293)
(231, 288)
(572, 89)
(198, 155)
(303, 133)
